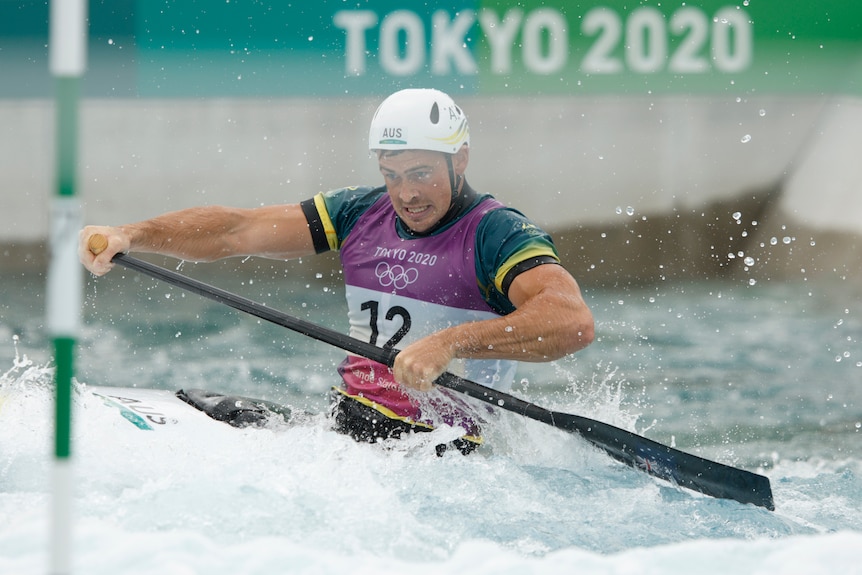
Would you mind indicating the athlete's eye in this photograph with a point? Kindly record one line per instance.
(415, 177)
(422, 176)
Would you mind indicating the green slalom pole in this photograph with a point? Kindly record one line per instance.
(67, 53)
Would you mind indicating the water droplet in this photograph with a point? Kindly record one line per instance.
(786, 239)
(745, 139)
(737, 216)
(762, 112)
(630, 211)
(752, 281)
(749, 261)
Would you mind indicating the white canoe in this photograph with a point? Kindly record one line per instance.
(155, 409)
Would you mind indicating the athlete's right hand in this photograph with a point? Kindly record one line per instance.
(420, 363)
(100, 263)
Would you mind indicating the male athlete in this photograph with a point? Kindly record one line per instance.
(450, 277)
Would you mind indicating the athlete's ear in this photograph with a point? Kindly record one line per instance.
(460, 159)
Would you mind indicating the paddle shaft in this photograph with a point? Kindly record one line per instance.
(708, 477)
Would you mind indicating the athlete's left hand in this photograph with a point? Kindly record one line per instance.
(421, 362)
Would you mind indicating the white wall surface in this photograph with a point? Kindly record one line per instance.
(563, 161)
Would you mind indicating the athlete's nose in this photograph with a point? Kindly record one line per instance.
(407, 193)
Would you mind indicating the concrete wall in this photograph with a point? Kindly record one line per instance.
(637, 189)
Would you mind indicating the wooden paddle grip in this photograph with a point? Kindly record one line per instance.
(97, 243)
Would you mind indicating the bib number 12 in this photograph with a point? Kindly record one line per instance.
(391, 314)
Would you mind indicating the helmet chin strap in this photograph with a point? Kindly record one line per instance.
(457, 202)
(454, 180)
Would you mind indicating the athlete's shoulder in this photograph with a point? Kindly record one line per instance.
(504, 220)
(332, 214)
(349, 203)
(508, 243)
(351, 195)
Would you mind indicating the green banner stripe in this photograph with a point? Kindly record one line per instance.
(178, 49)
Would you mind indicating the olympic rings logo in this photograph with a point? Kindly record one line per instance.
(396, 276)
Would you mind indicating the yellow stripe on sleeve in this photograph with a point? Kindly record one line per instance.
(518, 257)
(326, 222)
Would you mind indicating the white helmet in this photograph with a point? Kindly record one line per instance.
(419, 119)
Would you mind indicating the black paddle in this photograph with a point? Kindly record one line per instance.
(690, 471)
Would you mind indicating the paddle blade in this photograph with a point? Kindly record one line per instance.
(686, 470)
(683, 469)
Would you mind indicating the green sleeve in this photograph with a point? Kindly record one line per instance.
(507, 244)
(331, 215)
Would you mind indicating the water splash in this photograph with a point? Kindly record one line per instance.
(24, 372)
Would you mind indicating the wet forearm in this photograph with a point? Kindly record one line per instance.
(549, 327)
(199, 234)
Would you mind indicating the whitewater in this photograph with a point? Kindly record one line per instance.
(763, 377)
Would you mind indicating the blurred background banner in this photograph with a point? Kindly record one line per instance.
(655, 139)
(194, 48)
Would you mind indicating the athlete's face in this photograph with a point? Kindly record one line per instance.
(418, 186)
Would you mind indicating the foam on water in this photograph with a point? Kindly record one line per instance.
(303, 499)
(764, 378)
